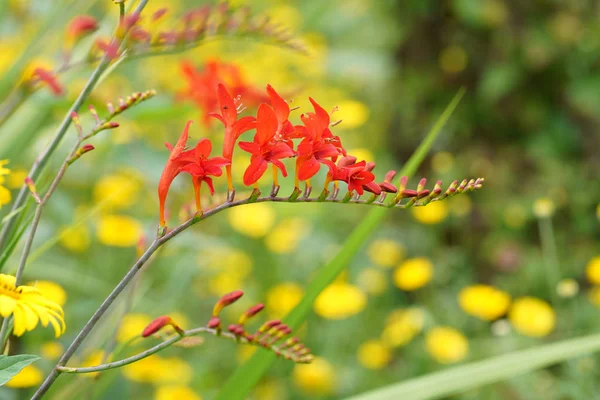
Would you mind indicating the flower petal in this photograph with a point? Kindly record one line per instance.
(253, 173)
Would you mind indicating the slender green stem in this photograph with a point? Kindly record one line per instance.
(551, 262)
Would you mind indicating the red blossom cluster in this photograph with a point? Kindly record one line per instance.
(312, 144)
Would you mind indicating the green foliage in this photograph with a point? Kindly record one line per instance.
(12, 365)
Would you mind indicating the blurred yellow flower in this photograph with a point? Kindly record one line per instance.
(340, 300)
(93, 359)
(442, 162)
(244, 352)
(28, 377)
(432, 213)
(594, 296)
(224, 282)
(16, 178)
(460, 205)
(484, 301)
(373, 281)
(253, 220)
(155, 369)
(270, 389)
(402, 326)
(446, 345)
(543, 208)
(235, 262)
(352, 113)
(453, 59)
(592, 270)
(52, 291)
(515, 216)
(413, 273)
(362, 154)
(119, 230)
(494, 12)
(132, 325)
(286, 235)
(374, 354)
(29, 307)
(567, 288)
(385, 252)
(282, 298)
(118, 191)
(316, 378)
(532, 317)
(598, 212)
(5, 195)
(75, 238)
(176, 392)
(51, 350)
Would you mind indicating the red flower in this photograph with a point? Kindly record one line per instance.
(285, 129)
(358, 176)
(49, 79)
(200, 167)
(79, 27)
(264, 148)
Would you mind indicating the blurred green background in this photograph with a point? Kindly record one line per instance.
(528, 124)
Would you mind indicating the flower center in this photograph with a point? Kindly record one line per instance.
(10, 291)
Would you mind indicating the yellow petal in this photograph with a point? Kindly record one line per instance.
(7, 305)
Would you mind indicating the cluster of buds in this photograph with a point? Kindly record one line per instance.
(312, 144)
(273, 335)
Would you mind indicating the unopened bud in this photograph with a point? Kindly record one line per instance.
(214, 323)
(389, 176)
(86, 148)
(160, 323)
(79, 27)
(32, 189)
(252, 311)
(268, 325)
(226, 300)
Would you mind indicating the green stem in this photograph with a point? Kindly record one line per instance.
(549, 252)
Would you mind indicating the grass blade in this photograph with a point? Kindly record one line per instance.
(246, 376)
(469, 376)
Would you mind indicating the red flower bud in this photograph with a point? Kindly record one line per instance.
(388, 187)
(389, 176)
(214, 322)
(160, 323)
(49, 79)
(409, 193)
(79, 27)
(226, 300)
(252, 311)
(268, 325)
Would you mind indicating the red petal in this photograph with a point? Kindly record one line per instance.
(203, 149)
(209, 182)
(257, 168)
(227, 105)
(307, 168)
(266, 124)
(322, 117)
(244, 124)
(281, 167)
(282, 109)
(250, 147)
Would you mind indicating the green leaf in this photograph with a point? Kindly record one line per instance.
(246, 376)
(469, 376)
(12, 365)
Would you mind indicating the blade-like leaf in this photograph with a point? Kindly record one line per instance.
(12, 365)
(246, 376)
(459, 379)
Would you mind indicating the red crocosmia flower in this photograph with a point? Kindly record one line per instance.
(264, 149)
(285, 129)
(198, 164)
(172, 169)
(357, 175)
(49, 79)
(233, 127)
(79, 27)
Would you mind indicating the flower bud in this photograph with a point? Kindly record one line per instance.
(214, 323)
(79, 27)
(252, 311)
(268, 325)
(49, 79)
(226, 300)
(160, 323)
(32, 189)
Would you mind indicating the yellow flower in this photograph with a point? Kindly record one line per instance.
(402, 326)
(132, 326)
(75, 238)
(543, 208)
(224, 283)
(316, 378)
(155, 369)
(52, 291)
(385, 252)
(484, 301)
(118, 190)
(446, 345)
(352, 113)
(119, 230)
(16, 178)
(532, 317)
(373, 281)
(284, 238)
(5, 196)
(567, 288)
(594, 296)
(253, 220)
(270, 389)
(179, 392)
(28, 307)
(3, 170)
(51, 350)
(234, 262)
(95, 358)
(362, 154)
(340, 300)
(28, 377)
(282, 298)
(432, 213)
(442, 162)
(413, 273)
(592, 270)
(374, 354)
(453, 59)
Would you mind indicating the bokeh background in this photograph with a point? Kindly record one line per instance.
(409, 304)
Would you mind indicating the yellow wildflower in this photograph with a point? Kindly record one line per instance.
(442, 162)
(29, 307)
(373, 281)
(75, 238)
(4, 170)
(132, 326)
(594, 296)
(340, 300)
(316, 378)
(402, 326)
(119, 230)
(155, 369)
(118, 191)
(484, 301)
(270, 389)
(453, 59)
(385, 252)
(352, 113)
(28, 377)
(282, 298)
(446, 345)
(52, 291)
(432, 213)
(5, 195)
(567, 288)
(284, 238)
(179, 392)
(532, 317)
(253, 220)
(17, 178)
(51, 350)
(592, 270)
(235, 262)
(95, 358)
(222, 283)
(413, 273)
(543, 208)
(374, 354)
(362, 154)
